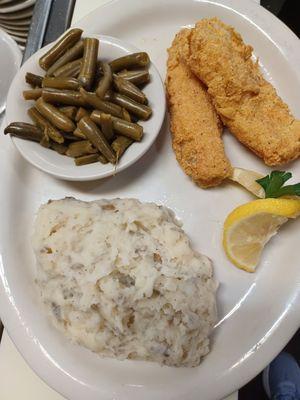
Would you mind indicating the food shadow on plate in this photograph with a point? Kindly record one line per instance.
(126, 177)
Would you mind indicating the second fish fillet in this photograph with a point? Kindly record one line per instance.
(248, 105)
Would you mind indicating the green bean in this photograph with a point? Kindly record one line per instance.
(98, 76)
(125, 128)
(126, 115)
(99, 69)
(69, 111)
(43, 123)
(129, 129)
(59, 148)
(102, 159)
(60, 83)
(70, 136)
(81, 112)
(70, 55)
(33, 79)
(138, 77)
(120, 144)
(80, 148)
(108, 96)
(67, 97)
(70, 69)
(79, 133)
(96, 117)
(106, 126)
(94, 135)
(140, 110)
(130, 61)
(32, 94)
(54, 116)
(89, 62)
(61, 46)
(105, 106)
(88, 159)
(130, 90)
(24, 131)
(45, 141)
(105, 82)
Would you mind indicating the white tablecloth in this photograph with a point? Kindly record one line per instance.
(17, 380)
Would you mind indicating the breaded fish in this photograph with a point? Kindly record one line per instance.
(248, 105)
(196, 128)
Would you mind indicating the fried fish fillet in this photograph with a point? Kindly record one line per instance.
(195, 126)
(248, 105)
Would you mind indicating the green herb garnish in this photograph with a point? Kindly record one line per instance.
(273, 185)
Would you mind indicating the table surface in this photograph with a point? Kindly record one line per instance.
(17, 380)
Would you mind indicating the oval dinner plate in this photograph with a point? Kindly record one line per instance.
(16, 6)
(258, 313)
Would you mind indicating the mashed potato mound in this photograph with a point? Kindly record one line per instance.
(120, 278)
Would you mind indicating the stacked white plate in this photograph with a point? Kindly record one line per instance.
(15, 18)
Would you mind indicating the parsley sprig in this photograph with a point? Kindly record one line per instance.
(273, 185)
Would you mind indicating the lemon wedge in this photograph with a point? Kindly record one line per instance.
(247, 178)
(249, 227)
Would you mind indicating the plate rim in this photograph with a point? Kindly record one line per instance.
(268, 349)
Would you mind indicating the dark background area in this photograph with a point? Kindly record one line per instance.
(286, 10)
(254, 389)
(289, 12)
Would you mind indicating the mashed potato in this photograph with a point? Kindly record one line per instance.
(120, 278)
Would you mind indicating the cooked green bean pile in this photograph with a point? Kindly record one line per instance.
(85, 108)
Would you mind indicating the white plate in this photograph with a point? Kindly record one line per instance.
(17, 15)
(16, 7)
(258, 312)
(16, 34)
(61, 166)
(11, 57)
(15, 28)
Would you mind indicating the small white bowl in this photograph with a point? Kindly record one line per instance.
(63, 167)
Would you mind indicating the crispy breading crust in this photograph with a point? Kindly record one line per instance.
(195, 126)
(246, 102)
